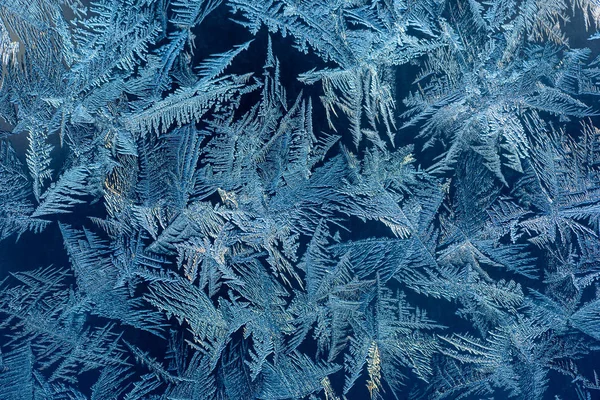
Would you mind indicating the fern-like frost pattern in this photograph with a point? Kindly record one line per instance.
(299, 199)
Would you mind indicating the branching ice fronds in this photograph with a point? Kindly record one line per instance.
(192, 307)
(189, 13)
(360, 93)
(478, 98)
(16, 373)
(306, 22)
(38, 160)
(15, 190)
(216, 64)
(587, 319)
(566, 179)
(65, 193)
(188, 105)
(111, 40)
(295, 376)
(294, 267)
(42, 310)
(97, 281)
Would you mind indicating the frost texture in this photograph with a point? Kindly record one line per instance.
(315, 199)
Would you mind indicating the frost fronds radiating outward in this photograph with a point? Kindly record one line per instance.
(309, 199)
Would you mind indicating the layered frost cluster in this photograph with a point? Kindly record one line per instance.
(299, 199)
